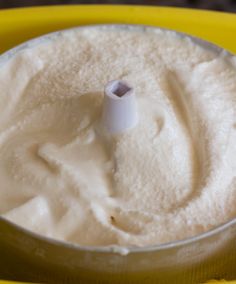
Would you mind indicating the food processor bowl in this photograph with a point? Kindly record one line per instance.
(40, 259)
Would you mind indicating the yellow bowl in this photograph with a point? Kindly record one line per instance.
(18, 25)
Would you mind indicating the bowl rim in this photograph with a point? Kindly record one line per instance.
(123, 250)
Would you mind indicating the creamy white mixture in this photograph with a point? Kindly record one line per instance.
(171, 177)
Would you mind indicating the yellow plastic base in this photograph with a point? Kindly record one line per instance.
(18, 25)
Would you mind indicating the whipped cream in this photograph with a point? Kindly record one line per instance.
(169, 178)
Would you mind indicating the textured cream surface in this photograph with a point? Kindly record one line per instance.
(171, 177)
